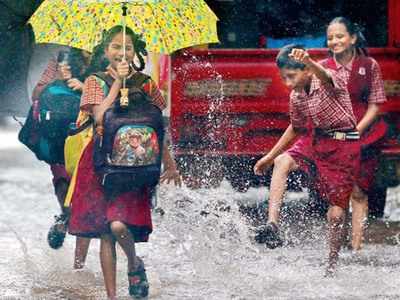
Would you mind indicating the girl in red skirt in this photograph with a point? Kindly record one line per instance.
(365, 85)
(127, 218)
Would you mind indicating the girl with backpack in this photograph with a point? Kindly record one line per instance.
(349, 57)
(124, 217)
(70, 67)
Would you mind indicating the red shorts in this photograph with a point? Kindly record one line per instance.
(331, 164)
(368, 168)
(91, 212)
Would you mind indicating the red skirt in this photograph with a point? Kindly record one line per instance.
(369, 164)
(332, 164)
(91, 212)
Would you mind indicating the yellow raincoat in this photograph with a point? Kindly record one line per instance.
(74, 147)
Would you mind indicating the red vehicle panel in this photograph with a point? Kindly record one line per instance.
(229, 106)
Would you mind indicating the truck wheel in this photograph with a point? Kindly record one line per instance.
(190, 174)
(316, 206)
(240, 185)
(205, 173)
(212, 172)
(214, 181)
(192, 182)
(377, 201)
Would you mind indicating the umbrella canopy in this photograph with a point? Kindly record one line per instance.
(166, 25)
(16, 40)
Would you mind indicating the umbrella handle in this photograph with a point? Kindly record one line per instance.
(124, 100)
(124, 14)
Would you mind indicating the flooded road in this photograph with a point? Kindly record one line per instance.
(201, 247)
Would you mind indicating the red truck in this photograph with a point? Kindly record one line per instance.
(229, 106)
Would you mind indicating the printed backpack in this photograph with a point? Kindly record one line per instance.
(127, 156)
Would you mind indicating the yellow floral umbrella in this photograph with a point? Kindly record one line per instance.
(166, 25)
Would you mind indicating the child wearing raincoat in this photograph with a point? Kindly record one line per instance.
(127, 218)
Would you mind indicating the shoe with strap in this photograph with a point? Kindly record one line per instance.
(57, 232)
(268, 234)
(138, 283)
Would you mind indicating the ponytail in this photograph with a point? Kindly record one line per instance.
(353, 29)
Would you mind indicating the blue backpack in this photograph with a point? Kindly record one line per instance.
(58, 108)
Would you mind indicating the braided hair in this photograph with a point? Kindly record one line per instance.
(138, 44)
(100, 63)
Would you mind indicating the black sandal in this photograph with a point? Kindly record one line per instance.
(138, 283)
(269, 235)
(56, 236)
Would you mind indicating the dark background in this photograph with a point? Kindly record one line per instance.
(248, 19)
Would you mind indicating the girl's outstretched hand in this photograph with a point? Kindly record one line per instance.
(171, 174)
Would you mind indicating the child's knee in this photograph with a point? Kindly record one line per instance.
(336, 214)
(358, 194)
(118, 228)
(284, 162)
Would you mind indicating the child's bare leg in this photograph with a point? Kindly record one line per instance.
(283, 165)
(335, 235)
(126, 241)
(108, 260)
(359, 202)
(346, 229)
(61, 190)
(81, 250)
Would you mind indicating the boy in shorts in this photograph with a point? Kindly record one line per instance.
(321, 114)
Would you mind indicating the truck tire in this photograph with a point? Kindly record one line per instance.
(316, 206)
(213, 172)
(189, 173)
(192, 182)
(201, 173)
(240, 185)
(214, 181)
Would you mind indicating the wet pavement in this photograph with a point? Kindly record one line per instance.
(201, 247)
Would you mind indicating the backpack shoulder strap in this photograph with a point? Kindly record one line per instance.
(138, 79)
(104, 77)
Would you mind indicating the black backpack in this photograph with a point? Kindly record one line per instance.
(58, 108)
(127, 156)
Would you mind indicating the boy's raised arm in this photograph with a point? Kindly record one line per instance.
(320, 72)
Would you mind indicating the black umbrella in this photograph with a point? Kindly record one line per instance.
(16, 40)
